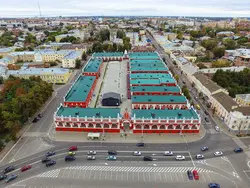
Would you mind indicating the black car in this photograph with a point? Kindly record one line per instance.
(8, 169)
(45, 160)
(206, 112)
(190, 175)
(112, 152)
(238, 150)
(69, 158)
(141, 144)
(206, 119)
(204, 148)
(2, 177)
(50, 153)
(50, 163)
(40, 116)
(147, 158)
(35, 120)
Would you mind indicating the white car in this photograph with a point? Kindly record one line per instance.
(180, 157)
(137, 153)
(199, 156)
(90, 157)
(217, 128)
(168, 153)
(91, 152)
(218, 153)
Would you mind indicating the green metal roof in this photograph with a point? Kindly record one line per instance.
(88, 112)
(158, 99)
(93, 65)
(142, 61)
(164, 114)
(156, 81)
(155, 89)
(147, 65)
(149, 75)
(144, 55)
(108, 54)
(80, 89)
(148, 69)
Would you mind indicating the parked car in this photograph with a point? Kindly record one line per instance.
(91, 152)
(217, 128)
(73, 148)
(148, 158)
(71, 153)
(112, 152)
(91, 157)
(218, 153)
(180, 157)
(50, 163)
(168, 153)
(214, 185)
(2, 177)
(26, 168)
(10, 178)
(206, 119)
(238, 150)
(141, 144)
(111, 158)
(204, 148)
(206, 112)
(190, 175)
(199, 156)
(35, 120)
(45, 159)
(8, 169)
(40, 116)
(69, 158)
(196, 175)
(137, 153)
(50, 153)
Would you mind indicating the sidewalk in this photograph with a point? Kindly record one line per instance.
(131, 138)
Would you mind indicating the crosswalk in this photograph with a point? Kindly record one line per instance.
(239, 143)
(51, 174)
(137, 169)
(35, 134)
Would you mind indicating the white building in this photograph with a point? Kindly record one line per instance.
(69, 61)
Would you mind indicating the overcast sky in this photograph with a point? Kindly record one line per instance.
(230, 8)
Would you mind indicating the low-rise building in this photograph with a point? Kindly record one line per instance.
(243, 99)
(69, 61)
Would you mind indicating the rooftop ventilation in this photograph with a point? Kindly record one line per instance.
(143, 89)
(171, 100)
(98, 114)
(85, 91)
(179, 114)
(149, 100)
(77, 113)
(153, 115)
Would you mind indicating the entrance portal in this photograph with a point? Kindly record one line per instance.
(126, 126)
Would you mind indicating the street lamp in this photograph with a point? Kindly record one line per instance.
(142, 133)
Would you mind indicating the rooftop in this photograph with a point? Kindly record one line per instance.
(225, 100)
(144, 55)
(166, 114)
(92, 65)
(133, 65)
(157, 81)
(80, 89)
(155, 89)
(206, 82)
(88, 112)
(73, 55)
(38, 71)
(159, 99)
(245, 110)
(137, 68)
(108, 54)
(244, 97)
(142, 61)
(5, 50)
(149, 75)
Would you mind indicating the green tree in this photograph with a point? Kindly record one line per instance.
(221, 63)
(201, 66)
(209, 44)
(120, 34)
(84, 56)
(104, 35)
(68, 39)
(78, 64)
(185, 92)
(97, 47)
(229, 44)
(218, 52)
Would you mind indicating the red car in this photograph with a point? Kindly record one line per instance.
(196, 175)
(26, 168)
(73, 148)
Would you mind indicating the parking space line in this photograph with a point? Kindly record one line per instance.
(181, 174)
(69, 173)
(84, 174)
(203, 177)
(210, 179)
(176, 176)
(171, 177)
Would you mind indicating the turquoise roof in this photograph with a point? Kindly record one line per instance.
(152, 81)
(164, 114)
(88, 112)
(153, 65)
(80, 89)
(148, 69)
(108, 54)
(144, 55)
(155, 89)
(93, 65)
(132, 61)
(158, 99)
(150, 76)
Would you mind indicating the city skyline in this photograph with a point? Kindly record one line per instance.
(211, 8)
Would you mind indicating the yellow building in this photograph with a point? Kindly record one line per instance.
(243, 99)
(50, 75)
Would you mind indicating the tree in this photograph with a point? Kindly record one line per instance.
(68, 39)
(84, 56)
(104, 35)
(221, 63)
(120, 34)
(176, 77)
(114, 47)
(185, 92)
(1, 80)
(229, 44)
(209, 44)
(218, 52)
(78, 64)
(97, 47)
(201, 66)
